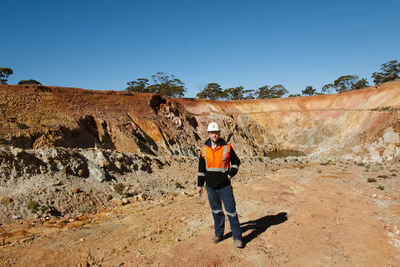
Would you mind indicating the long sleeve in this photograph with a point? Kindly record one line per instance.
(202, 172)
(235, 162)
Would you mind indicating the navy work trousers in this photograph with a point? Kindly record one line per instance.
(226, 195)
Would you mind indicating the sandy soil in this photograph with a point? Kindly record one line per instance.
(304, 215)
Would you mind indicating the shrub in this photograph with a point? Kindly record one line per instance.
(33, 206)
(360, 164)
(178, 185)
(119, 188)
(85, 209)
(371, 180)
(301, 167)
(260, 159)
(381, 187)
(22, 126)
(30, 81)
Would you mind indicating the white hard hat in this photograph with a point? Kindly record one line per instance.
(213, 127)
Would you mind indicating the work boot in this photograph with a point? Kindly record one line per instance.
(238, 243)
(216, 239)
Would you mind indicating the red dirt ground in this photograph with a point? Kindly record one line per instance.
(310, 215)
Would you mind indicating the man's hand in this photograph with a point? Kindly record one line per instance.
(229, 177)
(199, 189)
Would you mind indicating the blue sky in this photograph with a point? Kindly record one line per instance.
(102, 45)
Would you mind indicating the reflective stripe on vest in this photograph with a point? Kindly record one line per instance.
(217, 160)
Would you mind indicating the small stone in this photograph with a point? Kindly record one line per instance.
(141, 197)
(118, 165)
(124, 201)
(5, 200)
(16, 151)
(76, 190)
(56, 183)
(80, 173)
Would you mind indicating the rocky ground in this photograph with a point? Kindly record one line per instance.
(60, 182)
(294, 213)
(67, 182)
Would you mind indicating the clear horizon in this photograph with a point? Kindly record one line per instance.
(102, 45)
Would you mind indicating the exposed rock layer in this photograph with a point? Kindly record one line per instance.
(352, 123)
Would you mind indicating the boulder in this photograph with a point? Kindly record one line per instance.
(96, 172)
(15, 151)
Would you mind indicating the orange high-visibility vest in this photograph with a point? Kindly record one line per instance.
(217, 159)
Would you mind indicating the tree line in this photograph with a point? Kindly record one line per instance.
(170, 86)
(5, 72)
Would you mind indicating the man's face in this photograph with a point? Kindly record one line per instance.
(214, 136)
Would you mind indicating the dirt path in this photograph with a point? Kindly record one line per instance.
(309, 216)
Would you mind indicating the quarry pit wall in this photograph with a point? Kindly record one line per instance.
(359, 125)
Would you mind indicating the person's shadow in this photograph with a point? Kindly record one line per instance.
(259, 226)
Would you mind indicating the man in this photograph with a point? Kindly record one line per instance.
(218, 163)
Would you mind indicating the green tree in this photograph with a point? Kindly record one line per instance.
(138, 86)
(293, 95)
(211, 91)
(327, 88)
(167, 85)
(390, 72)
(362, 83)
(346, 83)
(238, 93)
(30, 81)
(163, 85)
(4, 73)
(309, 91)
(266, 91)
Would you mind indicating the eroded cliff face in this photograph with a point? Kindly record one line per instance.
(38, 116)
(363, 124)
